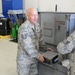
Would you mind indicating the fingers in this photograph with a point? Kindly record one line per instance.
(41, 58)
(50, 49)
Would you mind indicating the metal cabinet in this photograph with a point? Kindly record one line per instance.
(54, 27)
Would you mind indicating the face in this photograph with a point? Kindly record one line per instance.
(33, 17)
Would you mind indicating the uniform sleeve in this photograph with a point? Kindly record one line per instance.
(29, 46)
(66, 46)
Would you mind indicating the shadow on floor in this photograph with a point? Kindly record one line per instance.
(14, 40)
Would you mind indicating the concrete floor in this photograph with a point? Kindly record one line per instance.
(8, 51)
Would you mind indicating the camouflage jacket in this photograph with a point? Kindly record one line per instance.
(29, 41)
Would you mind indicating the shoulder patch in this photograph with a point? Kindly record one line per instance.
(24, 36)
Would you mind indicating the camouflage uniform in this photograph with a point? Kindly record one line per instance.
(68, 47)
(29, 40)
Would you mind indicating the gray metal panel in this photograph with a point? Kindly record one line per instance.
(53, 69)
(60, 27)
(48, 26)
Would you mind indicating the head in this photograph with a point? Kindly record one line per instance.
(32, 15)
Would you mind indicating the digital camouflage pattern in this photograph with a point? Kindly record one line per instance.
(68, 47)
(29, 41)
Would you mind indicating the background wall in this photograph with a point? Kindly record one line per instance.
(46, 5)
(30, 3)
(66, 5)
(0, 6)
(50, 5)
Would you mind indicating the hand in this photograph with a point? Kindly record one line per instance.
(41, 58)
(50, 49)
